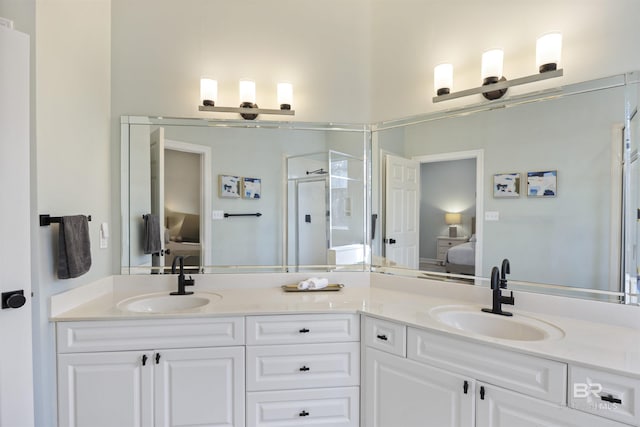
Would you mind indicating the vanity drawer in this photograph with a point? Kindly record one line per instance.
(605, 394)
(335, 407)
(120, 335)
(386, 336)
(307, 366)
(533, 376)
(302, 329)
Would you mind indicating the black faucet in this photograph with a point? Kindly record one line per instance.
(506, 269)
(498, 299)
(182, 282)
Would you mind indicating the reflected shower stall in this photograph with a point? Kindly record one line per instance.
(325, 210)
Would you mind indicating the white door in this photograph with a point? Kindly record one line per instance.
(402, 192)
(402, 392)
(313, 242)
(16, 377)
(198, 387)
(105, 389)
(157, 188)
(497, 407)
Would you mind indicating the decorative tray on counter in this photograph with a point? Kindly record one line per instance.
(328, 288)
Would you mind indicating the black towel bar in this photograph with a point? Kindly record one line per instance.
(227, 215)
(46, 219)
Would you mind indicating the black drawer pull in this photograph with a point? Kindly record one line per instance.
(304, 331)
(611, 398)
(304, 414)
(144, 359)
(382, 337)
(466, 387)
(157, 358)
(304, 368)
(482, 393)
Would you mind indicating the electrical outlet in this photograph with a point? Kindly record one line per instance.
(217, 215)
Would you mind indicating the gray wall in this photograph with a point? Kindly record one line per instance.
(561, 240)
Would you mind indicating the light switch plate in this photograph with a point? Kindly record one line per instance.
(492, 216)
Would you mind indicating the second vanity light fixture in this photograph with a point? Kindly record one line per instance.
(494, 84)
(248, 109)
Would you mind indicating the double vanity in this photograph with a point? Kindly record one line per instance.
(384, 351)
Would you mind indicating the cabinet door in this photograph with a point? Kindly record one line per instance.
(105, 389)
(497, 407)
(401, 392)
(197, 387)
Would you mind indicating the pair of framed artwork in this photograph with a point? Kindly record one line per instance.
(539, 184)
(234, 187)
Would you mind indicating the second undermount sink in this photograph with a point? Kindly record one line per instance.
(514, 328)
(165, 303)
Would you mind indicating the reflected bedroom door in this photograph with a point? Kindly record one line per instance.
(402, 180)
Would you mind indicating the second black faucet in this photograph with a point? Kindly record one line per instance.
(182, 282)
(499, 282)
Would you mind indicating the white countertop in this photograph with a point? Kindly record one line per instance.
(605, 346)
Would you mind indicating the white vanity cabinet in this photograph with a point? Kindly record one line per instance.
(449, 381)
(134, 373)
(303, 370)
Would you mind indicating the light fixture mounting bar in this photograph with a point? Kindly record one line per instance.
(247, 110)
(501, 85)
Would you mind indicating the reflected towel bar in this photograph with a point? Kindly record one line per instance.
(46, 219)
(227, 215)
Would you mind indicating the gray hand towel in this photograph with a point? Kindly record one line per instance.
(74, 247)
(152, 243)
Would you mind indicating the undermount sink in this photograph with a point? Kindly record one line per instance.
(515, 328)
(165, 303)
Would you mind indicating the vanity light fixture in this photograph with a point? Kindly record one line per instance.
(248, 108)
(494, 84)
(453, 219)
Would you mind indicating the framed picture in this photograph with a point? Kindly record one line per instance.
(229, 186)
(506, 185)
(542, 184)
(251, 188)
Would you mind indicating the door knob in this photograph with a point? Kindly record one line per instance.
(13, 299)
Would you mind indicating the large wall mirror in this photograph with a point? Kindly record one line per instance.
(539, 180)
(548, 180)
(232, 196)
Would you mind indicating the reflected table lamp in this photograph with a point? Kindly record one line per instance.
(452, 220)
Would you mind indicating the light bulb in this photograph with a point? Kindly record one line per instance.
(208, 91)
(548, 51)
(492, 63)
(247, 92)
(285, 95)
(443, 79)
